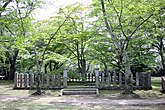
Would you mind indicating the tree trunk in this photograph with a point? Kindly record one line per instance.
(163, 65)
(128, 81)
(12, 72)
(12, 60)
(38, 92)
(162, 55)
(50, 66)
(162, 62)
(83, 70)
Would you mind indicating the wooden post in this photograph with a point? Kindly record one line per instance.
(120, 79)
(21, 80)
(149, 80)
(137, 79)
(58, 80)
(109, 79)
(163, 84)
(65, 75)
(114, 79)
(53, 79)
(143, 78)
(31, 80)
(42, 79)
(25, 80)
(97, 77)
(47, 80)
(103, 80)
(132, 78)
(18, 80)
(15, 80)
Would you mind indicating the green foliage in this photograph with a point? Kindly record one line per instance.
(59, 71)
(83, 35)
(72, 74)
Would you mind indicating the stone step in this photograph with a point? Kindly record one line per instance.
(81, 87)
(79, 91)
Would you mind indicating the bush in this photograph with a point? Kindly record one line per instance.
(74, 75)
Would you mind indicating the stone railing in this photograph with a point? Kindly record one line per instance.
(100, 80)
(117, 81)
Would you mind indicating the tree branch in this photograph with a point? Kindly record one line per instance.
(129, 38)
(4, 6)
(70, 50)
(8, 29)
(50, 39)
(108, 26)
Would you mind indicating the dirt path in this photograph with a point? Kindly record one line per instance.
(77, 103)
(21, 100)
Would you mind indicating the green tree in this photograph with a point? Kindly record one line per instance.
(157, 34)
(14, 20)
(75, 36)
(123, 20)
(42, 44)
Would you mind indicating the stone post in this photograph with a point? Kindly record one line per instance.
(21, 80)
(149, 80)
(114, 83)
(97, 77)
(48, 80)
(137, 79)
(31, 80)
(103, 80)
(65, 75)
(53, 80)
(163, 84)
(120, 79)
(26, 80)
(109, 79)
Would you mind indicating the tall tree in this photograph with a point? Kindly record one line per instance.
(14, 17)
(44, 49)
(158, 34)
(123, 19)
(75, 36)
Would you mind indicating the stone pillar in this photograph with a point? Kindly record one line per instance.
(149, 80)
(120, 79)
(65, 75)
(48, 80)
(26, 80)
(53, 80)
(31, 80)
(114, 75)
(137, 79)
(103, 80)
(21, 80)
(163, 84)
(97, 77)
(109, 79)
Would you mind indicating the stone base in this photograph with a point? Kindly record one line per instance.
(79, 91)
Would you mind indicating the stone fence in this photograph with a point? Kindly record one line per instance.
(100, 80)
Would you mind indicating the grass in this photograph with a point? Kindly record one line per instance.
(156, 83)
(6, 82)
